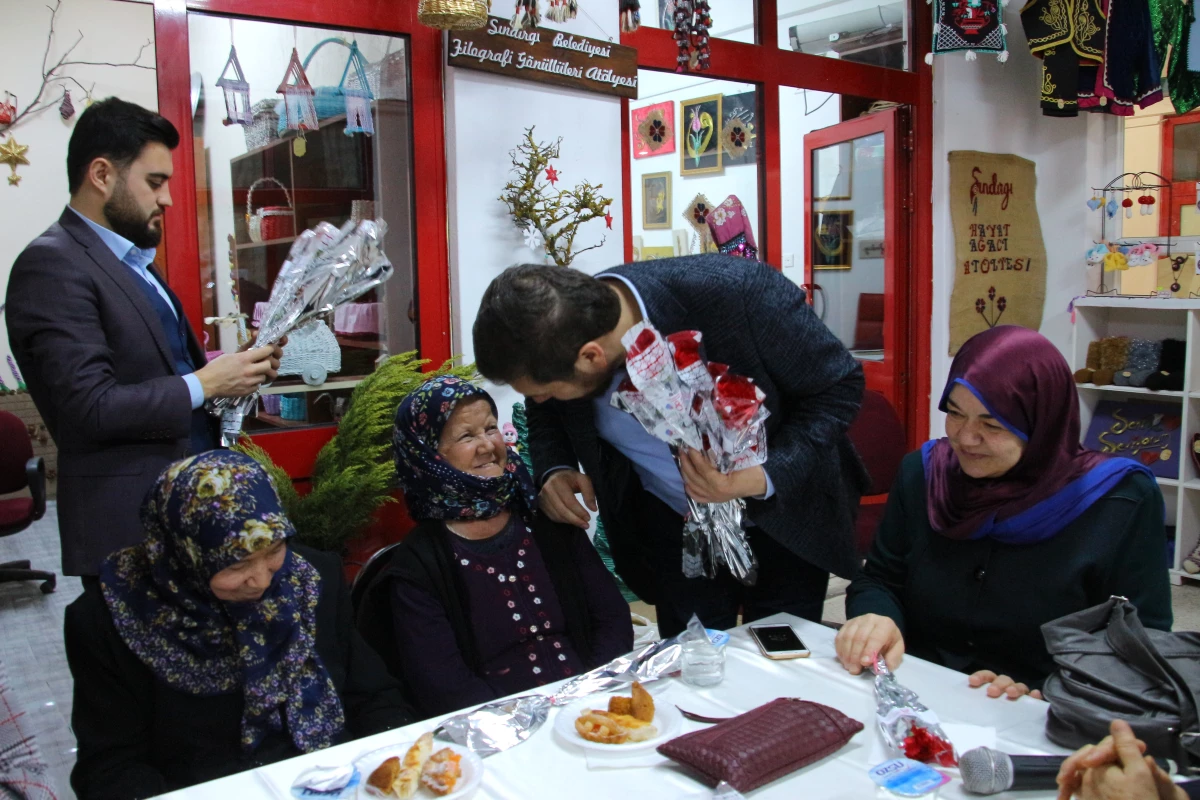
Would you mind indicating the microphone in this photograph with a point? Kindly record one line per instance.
(988, 771)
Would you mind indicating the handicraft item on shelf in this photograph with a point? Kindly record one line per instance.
(731, 229)
(1147, 432)
(970, 26)
(236, 91)
(688, 403)
(299, 112)
(653, 130)
(631, 15)
(696, 215)
(358, 98)
(549, 217)
(998, 243)
(326, 268)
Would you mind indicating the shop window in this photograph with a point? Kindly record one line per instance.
(696, 145)
(261, 184)
(731, 19)
(874, 33)
(1185, 160)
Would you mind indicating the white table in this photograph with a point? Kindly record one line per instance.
(545, 767)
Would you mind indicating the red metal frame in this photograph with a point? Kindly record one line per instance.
(1182, 192)
(881, 376)
(296, 451)
(771, 67)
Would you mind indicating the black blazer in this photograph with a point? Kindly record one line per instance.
(139, 737)
(99, 368)
(756, 321)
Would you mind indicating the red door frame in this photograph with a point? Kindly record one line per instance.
(881, 376)
(296, 451)
(771, 67)
(1182, 192)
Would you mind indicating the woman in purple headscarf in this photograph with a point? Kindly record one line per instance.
(1005, 524)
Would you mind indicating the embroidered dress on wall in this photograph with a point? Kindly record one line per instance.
(970, 26)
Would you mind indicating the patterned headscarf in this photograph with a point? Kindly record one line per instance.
(432, 488)
(204, 514)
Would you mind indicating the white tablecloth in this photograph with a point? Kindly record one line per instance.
(546, 767)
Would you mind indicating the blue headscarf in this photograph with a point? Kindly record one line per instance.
(204, 514)
(432, 488)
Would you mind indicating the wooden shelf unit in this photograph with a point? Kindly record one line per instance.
(1144, 318)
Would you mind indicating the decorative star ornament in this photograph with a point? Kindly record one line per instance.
(13, 154)
(552, 175)
(608, 218)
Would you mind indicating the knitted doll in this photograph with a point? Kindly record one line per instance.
(1141, 363)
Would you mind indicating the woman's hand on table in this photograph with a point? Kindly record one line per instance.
(862, 637)
(998, 685)
(707, 484)
(1115, 769)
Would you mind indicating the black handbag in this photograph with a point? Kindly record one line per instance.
(1110, 667)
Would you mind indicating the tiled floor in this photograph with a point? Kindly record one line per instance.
(31, 643)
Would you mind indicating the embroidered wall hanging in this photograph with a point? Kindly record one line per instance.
(653, 130)
(970, 26)
(1000, 256)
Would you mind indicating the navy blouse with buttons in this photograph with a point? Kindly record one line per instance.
(979, 604)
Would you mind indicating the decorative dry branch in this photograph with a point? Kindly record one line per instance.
(53, 75)
(556, 214)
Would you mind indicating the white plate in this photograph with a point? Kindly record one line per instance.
(472, 770)
(667, 719)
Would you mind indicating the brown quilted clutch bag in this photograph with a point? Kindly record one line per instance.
(763, 744)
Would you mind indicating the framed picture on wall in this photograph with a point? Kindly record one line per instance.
(833, 169)
(700, 123)
(737, 128)
(656, 200)
(831, 239)
(651, 253)
(653, 130)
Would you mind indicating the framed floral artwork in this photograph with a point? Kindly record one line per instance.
(737, 131)
(653, 130)
(656, 200)
(831, 239)
(700, 123)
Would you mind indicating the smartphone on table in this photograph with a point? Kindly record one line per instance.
(778, 641)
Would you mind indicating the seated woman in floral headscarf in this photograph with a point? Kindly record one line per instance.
(216, 646)
(1005, 524)
(486, 596)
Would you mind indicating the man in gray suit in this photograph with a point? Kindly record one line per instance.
(554, 335)
(112, 364)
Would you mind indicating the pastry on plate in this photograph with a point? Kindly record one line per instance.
(409, 779)
(604, 727)
(442, 771)
(385, 776)
(642, 704)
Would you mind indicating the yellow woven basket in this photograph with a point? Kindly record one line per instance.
(455, 15)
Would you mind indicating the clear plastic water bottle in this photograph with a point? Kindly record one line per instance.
(702, 663)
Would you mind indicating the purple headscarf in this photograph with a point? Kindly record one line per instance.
(1025, 383)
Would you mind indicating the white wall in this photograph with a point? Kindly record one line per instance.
(113, 31)
(992, 107)
(486, 117)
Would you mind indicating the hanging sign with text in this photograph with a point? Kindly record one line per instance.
(1000, 258)
(547, 56)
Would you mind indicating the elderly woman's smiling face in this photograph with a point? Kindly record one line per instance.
(472, 441)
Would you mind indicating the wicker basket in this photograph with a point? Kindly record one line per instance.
(264, 129)
(453, 15)
(269, 222)
(312, 352)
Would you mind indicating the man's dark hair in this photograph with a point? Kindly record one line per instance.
(534, 319)
(116, 130)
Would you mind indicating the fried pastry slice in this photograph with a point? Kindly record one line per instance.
(442, 771)
(414, 761)
(385, 775)
(642, 703)
(620, 705)
(597, 726)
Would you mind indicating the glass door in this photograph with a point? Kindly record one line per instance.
(856, 203)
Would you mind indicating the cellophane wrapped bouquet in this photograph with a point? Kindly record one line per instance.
(908, 727)
(326, 267)
(685, 401)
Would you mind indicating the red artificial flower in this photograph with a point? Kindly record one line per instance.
(921, 745)
(736, 399)
(608, 218)
(686, 345)
(644, 341)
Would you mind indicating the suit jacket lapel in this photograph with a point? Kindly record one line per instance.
(122, 275)
(199, 356)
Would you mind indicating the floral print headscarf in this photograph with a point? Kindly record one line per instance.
(204, 514)
(432, 488)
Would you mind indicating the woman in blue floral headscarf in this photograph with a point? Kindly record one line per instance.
(215, 645)
(485, 597)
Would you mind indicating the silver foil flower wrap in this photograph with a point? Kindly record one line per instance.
(326, 267)
(498, 726)
(908, 727)
(685, 402)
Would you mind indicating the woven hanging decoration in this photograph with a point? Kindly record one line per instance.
(298, 97)
(683, 34)
(631, 15)
(562, 10)
(696, 215)
(237, 92)
(655, 132)
(526, 15)
(970, 26)
(736, 137)
(66, 109)
(701, 24)
(453, 15)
